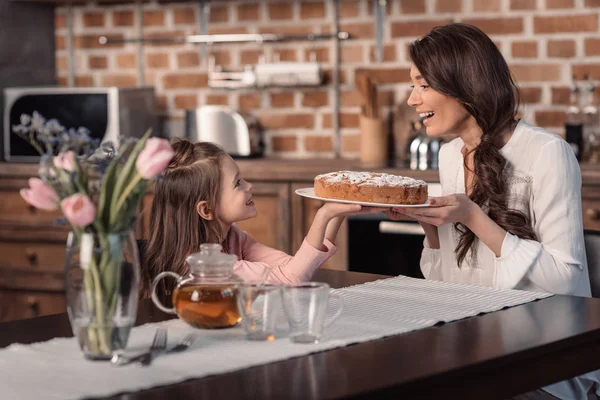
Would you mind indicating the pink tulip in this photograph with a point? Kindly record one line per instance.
(155, 157)
(65, 161)
(79, 209)
(40, 195)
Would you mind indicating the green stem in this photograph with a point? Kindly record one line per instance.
(88, 283)
(123, 197)
(110, 269)
(104, 346)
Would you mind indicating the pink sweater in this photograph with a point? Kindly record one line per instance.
(256, 259)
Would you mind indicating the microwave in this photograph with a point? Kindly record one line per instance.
(107, 112)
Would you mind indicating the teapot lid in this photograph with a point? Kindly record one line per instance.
(211, 260)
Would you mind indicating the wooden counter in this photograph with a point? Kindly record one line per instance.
(32, 246)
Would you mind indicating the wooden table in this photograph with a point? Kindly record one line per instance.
(490, 356)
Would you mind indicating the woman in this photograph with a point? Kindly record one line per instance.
(510, 215)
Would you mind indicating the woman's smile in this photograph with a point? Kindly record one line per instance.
(426, 117)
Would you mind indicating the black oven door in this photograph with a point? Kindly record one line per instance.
(379, 246)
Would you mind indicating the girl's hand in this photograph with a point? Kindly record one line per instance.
(394, 214)
(329, 218)
(332, 210)
(443, 210)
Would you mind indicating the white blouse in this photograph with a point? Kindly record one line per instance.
(544, 182)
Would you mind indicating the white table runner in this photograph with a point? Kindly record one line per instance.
(56, 369)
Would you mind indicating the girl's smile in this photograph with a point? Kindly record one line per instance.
(236, 202)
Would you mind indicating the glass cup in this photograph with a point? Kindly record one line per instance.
(259, 305)
(305, 305)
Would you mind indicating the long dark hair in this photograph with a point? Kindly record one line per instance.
(176, 229)
(462, 62)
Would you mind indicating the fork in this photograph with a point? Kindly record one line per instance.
(184, 344)
(159, 343)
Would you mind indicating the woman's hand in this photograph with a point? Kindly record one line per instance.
(443, 210)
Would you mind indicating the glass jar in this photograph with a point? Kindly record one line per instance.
(207, 296)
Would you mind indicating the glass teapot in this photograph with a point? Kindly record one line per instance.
(207, 296)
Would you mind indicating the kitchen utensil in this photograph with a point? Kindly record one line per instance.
(159, 343)
(185, 343)
(225, 127)
(309, 192)
(373, 142)
(305, 305)
(424, 152)
(259, 304)
(368, 90)
(206, 297)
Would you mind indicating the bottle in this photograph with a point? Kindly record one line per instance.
(423, 150)
(591, 133)
(414, 141)
(573, 125)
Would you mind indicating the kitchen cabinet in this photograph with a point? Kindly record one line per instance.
(32, 245)
(19, 304)
(33, 250)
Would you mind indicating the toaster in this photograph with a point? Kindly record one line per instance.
(239, 136)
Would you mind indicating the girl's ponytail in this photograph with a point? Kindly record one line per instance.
(184, 153)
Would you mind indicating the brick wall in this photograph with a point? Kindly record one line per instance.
(544, 41)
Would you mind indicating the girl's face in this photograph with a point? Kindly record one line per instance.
(235, 198)
(441, 115)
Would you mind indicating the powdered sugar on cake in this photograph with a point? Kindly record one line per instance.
(370, 179)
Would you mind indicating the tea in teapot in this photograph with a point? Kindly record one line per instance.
(207, 296)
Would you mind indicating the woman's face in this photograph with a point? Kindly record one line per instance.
(441, 115)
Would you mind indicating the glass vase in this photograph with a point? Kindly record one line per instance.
(102, 282)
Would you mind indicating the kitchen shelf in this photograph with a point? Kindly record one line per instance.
(230, 38)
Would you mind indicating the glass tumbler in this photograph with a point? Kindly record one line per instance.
(305, 305)
(259, 305)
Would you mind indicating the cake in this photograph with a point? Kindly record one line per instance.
(371, 187)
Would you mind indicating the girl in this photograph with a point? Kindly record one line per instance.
(201, 196)
(511, 212)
